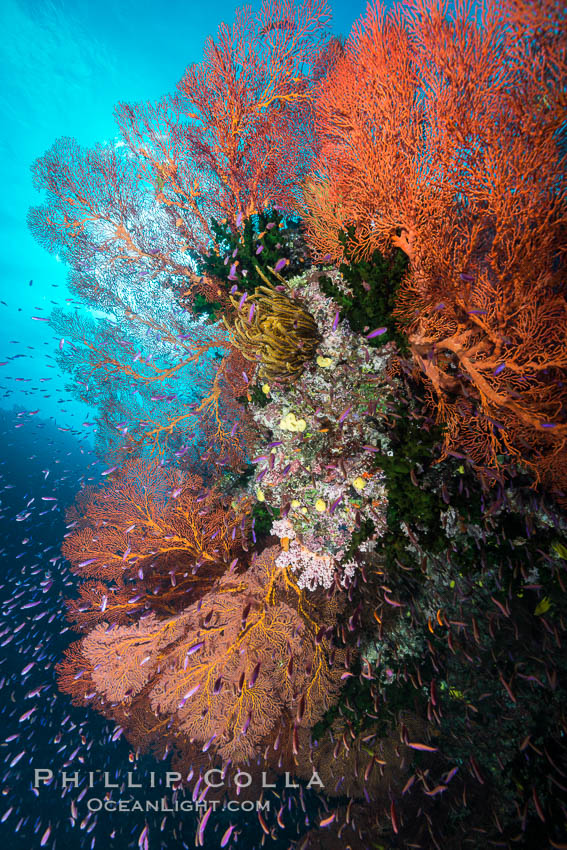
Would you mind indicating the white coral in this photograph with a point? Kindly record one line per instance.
(283, 528)
(349, 569)
(314, 570)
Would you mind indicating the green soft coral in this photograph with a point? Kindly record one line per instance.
(374, 284)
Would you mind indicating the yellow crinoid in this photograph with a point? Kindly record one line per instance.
(274, 330)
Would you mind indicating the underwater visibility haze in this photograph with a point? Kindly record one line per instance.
(284, 433)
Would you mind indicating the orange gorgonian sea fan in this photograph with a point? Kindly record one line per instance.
(152, 539)
(249, 663)
(443, 133)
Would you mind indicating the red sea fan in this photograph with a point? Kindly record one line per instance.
(217, 673)
(441, 134)
(152, 539)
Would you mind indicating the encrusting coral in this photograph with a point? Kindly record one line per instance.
(318, 466)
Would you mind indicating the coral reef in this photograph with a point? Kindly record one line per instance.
(324, 432)
(331, 538)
